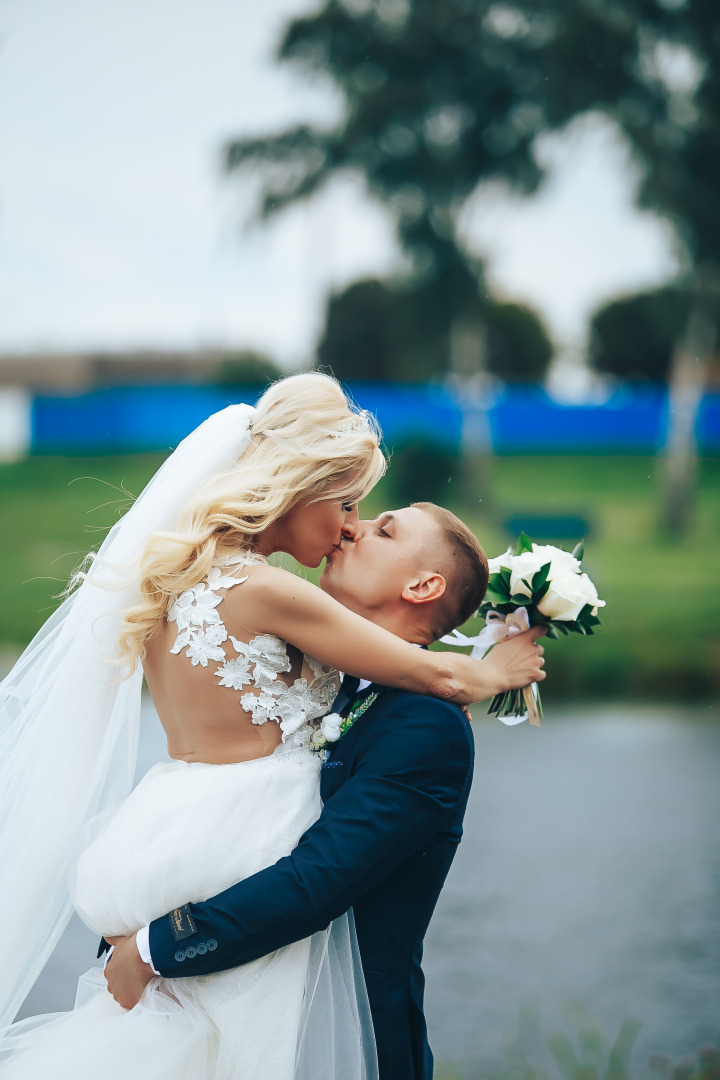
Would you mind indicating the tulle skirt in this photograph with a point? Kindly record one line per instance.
(186, 832)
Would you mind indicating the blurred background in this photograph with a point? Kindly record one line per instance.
(498, 225)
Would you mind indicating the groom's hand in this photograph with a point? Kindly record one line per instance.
(517, 661)
(127, 975)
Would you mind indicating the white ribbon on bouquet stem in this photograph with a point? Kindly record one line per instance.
(499, 627)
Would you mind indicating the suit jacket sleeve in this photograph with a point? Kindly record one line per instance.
(399, 796)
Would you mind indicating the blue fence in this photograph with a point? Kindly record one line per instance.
(525, 419)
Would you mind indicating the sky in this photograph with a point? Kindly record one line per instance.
(119, 228)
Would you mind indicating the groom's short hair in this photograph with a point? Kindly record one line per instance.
(463, 564)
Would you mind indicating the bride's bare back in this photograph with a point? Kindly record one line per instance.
(223, 693)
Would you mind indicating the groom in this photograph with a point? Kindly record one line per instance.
(394, 790)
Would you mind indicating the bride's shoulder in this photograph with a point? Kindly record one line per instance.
(265, 584)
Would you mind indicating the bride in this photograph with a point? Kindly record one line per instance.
(241, 660)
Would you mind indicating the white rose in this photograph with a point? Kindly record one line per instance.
(318, 738)
(501, 562)
(529, 562)
(524, 566)
(559, 559)
(567, 596)
(330, 726)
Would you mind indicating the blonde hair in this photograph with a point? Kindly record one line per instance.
(306, 440)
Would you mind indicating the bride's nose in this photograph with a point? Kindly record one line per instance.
(351, 525)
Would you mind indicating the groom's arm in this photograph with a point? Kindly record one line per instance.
(408, 779)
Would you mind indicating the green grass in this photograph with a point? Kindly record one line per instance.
(661, 628)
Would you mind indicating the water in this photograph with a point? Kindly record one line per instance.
(589, 871)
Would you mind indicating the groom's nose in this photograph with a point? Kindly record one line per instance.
(363, 526)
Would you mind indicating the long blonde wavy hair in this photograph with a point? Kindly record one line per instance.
(307, 441)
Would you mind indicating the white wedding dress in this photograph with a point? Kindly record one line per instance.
(186, 832)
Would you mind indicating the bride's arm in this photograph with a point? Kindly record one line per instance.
(274, 601)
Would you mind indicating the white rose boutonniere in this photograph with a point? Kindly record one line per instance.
(333, 726)
(539, 585)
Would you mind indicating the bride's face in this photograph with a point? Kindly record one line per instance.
(314, 529)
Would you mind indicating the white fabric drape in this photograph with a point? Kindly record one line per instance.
(69, 726)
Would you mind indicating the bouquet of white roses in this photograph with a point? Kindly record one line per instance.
(539, 585)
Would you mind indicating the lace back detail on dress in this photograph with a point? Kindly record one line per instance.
(257, 663)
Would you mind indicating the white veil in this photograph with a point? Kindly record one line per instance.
(68, 725)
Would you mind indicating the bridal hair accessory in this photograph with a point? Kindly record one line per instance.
(362, 421)
(539, 585)
(69, 725)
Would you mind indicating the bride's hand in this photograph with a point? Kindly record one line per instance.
(127, 975)
(517, 661)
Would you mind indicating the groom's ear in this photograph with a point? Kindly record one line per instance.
(424, 589)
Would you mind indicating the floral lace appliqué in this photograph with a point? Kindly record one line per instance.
(258, 663)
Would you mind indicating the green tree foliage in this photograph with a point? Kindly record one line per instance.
(634, 337)
(439, 96)
(678, 58)
(518, 348)
(246, 366)
(425, 470)
(385, 331)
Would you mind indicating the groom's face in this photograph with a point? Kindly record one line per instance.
(369, 574)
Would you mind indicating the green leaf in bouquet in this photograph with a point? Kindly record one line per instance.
(505, 573)
(579, 550)
(499, 585)
(561, 627)
(538, 594)
(520, 599)
(551, 632)
(587, 618)
(539, 578)
(524, 543)
(536, 617)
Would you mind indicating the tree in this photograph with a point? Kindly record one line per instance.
(439, 96)
(390, 331)
(382, 332)
(517, 345)
(246, 366)
(634, 337)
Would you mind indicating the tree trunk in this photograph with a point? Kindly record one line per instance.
(472, 387)
(685, 393)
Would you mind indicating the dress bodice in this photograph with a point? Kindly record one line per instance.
(253, 667)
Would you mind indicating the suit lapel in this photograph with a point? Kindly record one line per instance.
(341, 746)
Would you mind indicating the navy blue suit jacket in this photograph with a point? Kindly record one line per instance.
(394, 790)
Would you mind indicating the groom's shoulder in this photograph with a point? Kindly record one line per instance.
(436, 710)
(438, 724)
